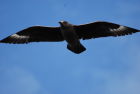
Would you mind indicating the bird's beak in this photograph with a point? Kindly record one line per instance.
(61, 23)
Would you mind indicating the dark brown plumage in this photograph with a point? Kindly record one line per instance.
(35, 34)
(102, 29)
(71, 33)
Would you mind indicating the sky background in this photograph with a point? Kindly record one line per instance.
(108, 66)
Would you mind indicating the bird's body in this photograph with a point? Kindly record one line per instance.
(71, 33)
(71, 37)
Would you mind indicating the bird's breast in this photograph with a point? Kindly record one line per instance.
(70, 35)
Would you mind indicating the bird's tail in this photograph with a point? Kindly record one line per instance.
(77, 49)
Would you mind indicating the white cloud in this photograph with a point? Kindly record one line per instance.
(104, 80)
(18, 81)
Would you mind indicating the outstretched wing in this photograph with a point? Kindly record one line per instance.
(102, 29)
(35, 34)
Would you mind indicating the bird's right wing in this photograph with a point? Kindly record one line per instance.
(35, 34)
(102, 29)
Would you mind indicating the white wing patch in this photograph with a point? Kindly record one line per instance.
(20, 38)
(121, 28)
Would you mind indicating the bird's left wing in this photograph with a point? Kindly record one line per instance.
(35, 34)
(102, 29)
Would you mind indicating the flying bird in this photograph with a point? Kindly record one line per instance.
(70, 33)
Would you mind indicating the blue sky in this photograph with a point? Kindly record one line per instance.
(108, 66)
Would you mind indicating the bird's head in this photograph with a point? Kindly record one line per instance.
(63, 23)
